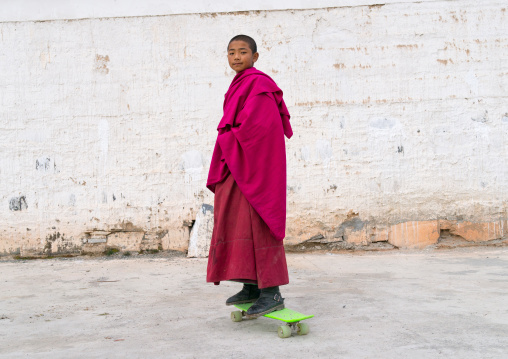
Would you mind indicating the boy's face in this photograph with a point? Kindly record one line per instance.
(240, 56)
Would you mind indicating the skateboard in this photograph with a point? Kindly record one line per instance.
(291, 317)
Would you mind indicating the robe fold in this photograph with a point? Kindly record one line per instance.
(250, 144)
(248, 176)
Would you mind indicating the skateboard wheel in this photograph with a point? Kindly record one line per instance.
(236, 316)
(284, 331)
(302, 328)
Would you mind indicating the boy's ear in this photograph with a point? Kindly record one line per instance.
(255, 56)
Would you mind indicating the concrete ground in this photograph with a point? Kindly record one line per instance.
(430, 304)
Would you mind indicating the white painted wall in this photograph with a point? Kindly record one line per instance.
(400, 112)
(32, 10)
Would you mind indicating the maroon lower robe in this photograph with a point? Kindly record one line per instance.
(242, 247)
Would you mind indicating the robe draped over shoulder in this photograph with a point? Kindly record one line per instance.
(250, 145)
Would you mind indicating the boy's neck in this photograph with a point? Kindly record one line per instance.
(248, 68)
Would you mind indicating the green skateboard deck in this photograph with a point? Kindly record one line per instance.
(291, 317)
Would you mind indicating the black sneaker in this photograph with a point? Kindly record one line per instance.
(248, 294)
(269, 301)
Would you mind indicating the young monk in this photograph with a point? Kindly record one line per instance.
(248, 176)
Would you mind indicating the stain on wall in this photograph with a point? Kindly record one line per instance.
(101, 64)
(18, 203)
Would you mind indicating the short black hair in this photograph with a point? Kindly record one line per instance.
(249, 40)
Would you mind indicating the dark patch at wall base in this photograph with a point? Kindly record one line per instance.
(57, 245)
(354, 223)
(338, 246)
(93, 248)
(48, 246)
(152, 241)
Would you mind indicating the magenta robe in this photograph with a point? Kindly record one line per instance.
(251, 145)
(248, 176)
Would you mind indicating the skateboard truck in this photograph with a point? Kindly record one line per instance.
(295, 327)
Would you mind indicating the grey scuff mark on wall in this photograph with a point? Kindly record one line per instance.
(482, 118)
(192, 161)
(305, 153)
(18, 203)
(206, 207)
(72, 200)
(43, 164)
(324, 150)
(383, 123)
(46, 164)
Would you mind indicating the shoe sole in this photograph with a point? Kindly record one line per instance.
(242, 301)
(278, 307)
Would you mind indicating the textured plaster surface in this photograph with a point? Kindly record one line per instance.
(400, 114)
